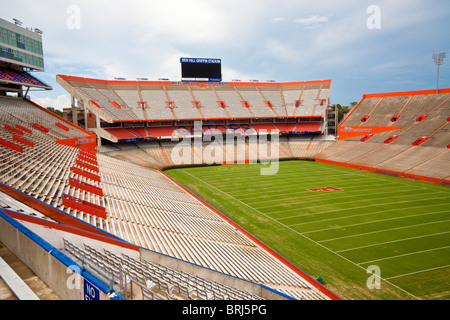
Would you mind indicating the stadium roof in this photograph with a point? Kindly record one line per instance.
(188, 83)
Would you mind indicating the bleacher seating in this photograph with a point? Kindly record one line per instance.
(150, 211)
(21, 77)
(265, 127)
(172, 107)
(157, 132)
(421, 140)
(128, 134)
(147, 209)
(122, 101)
(21, 113)
(167, 132)
(156, 282)
(209, 101)
(162, 156)
(42, 169)
(138, 205)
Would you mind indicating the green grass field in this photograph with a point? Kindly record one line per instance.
(398, 225)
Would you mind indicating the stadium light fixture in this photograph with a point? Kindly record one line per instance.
(17, 22)
(438, 60)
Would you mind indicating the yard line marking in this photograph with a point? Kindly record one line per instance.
(372, 205)
(304, 192)
(327, 204)
(335, 168)
(298, 182)
(360, 215)
(299, 189)
(421, 271)
(307, 174)
(255, 169)
(312, 195)
(375, 221)
(362, 178)
(405, 239)
(402, 255)
(363, 234)
(257, 175)
(347, 189)
(302, 176)
(287, 227)
(359, 200)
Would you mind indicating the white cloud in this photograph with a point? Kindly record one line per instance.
(60, 102)
(292, 40)
(312, 20)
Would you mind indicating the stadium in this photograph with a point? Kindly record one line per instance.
(203, 189)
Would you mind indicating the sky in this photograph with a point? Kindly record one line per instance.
(362, 46)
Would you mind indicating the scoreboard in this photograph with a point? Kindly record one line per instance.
(201, 69)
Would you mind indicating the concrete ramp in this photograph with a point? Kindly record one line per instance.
(15, 283)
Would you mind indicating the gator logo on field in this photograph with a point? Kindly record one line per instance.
(326, 189)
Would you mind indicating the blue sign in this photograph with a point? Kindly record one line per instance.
(131, 139)
(90, 292)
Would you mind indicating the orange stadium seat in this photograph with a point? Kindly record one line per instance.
(121, 133)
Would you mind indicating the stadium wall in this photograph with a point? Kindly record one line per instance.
(48, 263)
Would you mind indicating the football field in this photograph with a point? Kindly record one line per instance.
(370, 236)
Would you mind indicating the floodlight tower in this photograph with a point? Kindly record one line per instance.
(438, 60)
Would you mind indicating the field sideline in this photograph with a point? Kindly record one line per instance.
(365, 219)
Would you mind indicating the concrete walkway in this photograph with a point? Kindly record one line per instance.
(18, 282)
